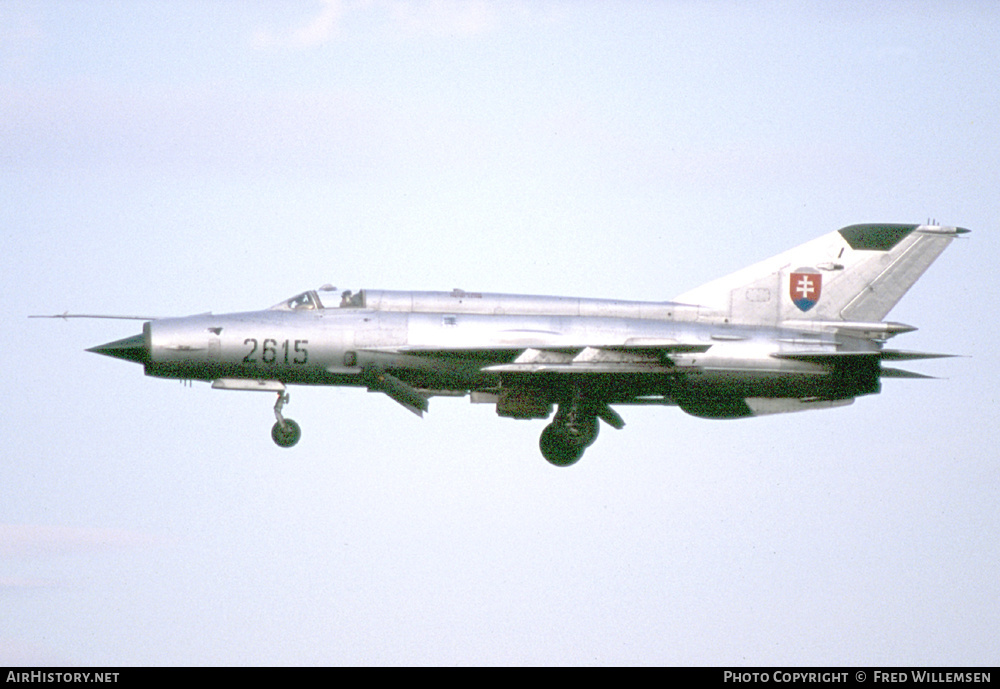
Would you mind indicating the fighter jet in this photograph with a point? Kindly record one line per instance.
(800, 331)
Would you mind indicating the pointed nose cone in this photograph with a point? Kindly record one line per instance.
(131, 348)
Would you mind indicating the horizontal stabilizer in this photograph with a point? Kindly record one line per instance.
(899, 373)
(879, 330)
(900, 355)
(885, 355)
(823, 357)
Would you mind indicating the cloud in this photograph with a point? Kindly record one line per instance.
(167, 131)
(394, 17)
(26, 583)
(441, 17)
(316, 31)
(20, 653)
(20, 39)
(24, 539)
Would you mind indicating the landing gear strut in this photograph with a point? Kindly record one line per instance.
(285, 432)
(572, 431)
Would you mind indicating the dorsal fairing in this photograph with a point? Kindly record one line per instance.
(461, 302)
(498, 304)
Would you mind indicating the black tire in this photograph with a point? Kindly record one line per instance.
(558, 448)
(286, 437)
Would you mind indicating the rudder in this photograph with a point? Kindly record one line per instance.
(857, 273)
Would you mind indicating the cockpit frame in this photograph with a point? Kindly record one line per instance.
(311, 301)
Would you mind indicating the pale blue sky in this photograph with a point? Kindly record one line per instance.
(169, 158)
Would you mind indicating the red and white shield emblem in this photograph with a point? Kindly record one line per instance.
(805, 286)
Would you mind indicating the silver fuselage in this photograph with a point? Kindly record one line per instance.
(799, 331)
(455, 343)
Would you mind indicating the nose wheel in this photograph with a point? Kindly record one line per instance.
(285, 432)
(286, 436)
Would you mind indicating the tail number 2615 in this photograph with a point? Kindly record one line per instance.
(274, 352)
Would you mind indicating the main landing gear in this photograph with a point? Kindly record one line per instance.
(573, 430)
(285, 432)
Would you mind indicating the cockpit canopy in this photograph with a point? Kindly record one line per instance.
(324, 298)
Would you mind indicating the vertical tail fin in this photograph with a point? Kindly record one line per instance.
(857, 273)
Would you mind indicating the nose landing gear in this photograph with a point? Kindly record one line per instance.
(285, 432)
